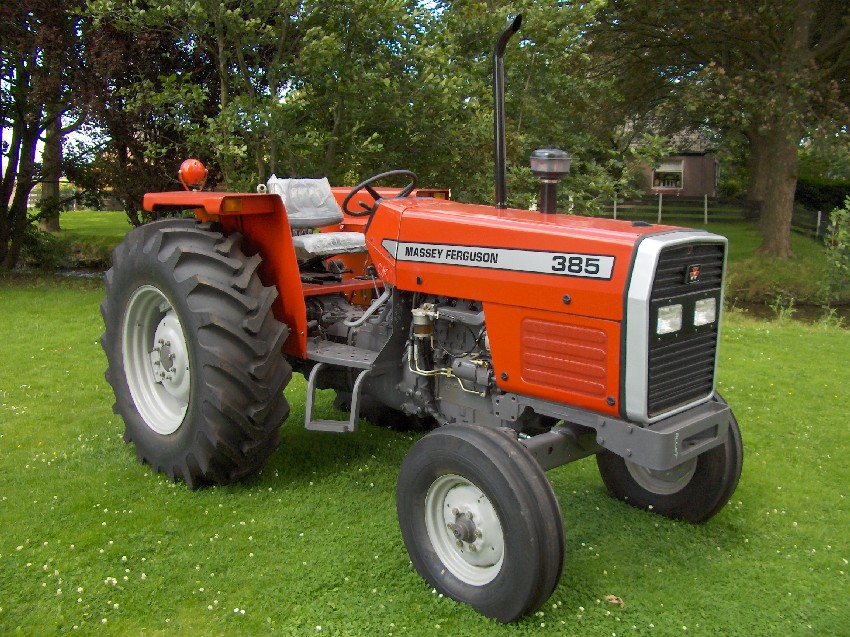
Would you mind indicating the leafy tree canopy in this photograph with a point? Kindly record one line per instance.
(768, 70)
(316, 87)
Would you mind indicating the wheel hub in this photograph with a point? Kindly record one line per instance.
(665, 482)
(169, 359)
(156, 360)
(464, 529)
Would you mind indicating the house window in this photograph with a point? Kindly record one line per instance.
(668, 174)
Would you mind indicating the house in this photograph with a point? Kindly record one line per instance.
(692, 172)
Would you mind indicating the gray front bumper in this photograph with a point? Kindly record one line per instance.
(662, 445)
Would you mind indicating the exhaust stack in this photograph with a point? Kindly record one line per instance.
(499, 110)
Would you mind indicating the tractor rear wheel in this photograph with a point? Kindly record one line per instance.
(480, 520)
(694, 491)
(194, 352)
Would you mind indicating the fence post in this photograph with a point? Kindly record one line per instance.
(705, 209)
(615, 206)
(660, 199)
(817, 229)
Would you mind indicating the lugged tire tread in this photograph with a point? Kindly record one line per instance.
(238, 343)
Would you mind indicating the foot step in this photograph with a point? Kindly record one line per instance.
(327, 353)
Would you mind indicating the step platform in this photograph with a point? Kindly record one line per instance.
(327, 353)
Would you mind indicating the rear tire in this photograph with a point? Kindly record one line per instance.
(694, 491)
(194, 353)
(480, 520)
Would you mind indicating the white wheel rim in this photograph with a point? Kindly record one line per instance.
(156, 360)
(464, 530)
(663, 482)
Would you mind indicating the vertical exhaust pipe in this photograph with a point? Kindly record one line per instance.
(499, 110)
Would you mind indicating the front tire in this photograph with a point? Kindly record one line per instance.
(194, 353)
(480, 520)
(694, 491)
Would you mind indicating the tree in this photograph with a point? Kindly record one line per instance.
(769, 70)
(39, 61)
(350, 89)
(152, 98)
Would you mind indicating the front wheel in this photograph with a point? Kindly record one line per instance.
(194, 353)
(480, 520)
(694, 491)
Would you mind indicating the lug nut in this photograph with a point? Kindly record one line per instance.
(472, 548)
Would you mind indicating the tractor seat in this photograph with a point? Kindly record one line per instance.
(309, 205)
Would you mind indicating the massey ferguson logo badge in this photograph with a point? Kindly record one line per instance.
(692, 274)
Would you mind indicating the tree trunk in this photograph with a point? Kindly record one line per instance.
(52, 167)
(780, 161)
(757, 166)
(7, 189)
(783, 136)
(17, 215)
(331, 148)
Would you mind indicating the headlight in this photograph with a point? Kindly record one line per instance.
(705, 311)
(669, 319)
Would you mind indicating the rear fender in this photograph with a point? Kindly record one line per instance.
(262, 220)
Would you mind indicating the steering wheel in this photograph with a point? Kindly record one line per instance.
(367, 185)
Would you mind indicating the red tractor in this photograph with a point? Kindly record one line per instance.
(524, 339)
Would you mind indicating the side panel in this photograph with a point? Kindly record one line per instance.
(536, 261)
(385, 224)
(555, 356)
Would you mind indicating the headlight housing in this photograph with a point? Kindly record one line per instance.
(705, 311)
(669, 319)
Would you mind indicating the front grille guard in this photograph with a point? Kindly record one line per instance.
(669, 374)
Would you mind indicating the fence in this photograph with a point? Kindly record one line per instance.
(810, 222)
(706, 210)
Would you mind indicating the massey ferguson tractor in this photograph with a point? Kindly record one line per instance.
(523, 340)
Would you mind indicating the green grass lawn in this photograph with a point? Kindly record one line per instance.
(88, 236)
(92, 541)
(106, 227)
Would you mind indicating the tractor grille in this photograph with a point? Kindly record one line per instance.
(681, 365)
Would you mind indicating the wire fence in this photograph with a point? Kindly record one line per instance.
(706, 210)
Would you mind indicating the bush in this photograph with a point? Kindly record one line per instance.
(64, 251)
(838, 251)
(821, 194)
(42, 250)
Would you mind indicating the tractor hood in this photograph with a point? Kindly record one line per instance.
(562, 263)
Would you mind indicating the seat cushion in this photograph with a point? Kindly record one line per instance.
(309, 202)
(327, 244)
